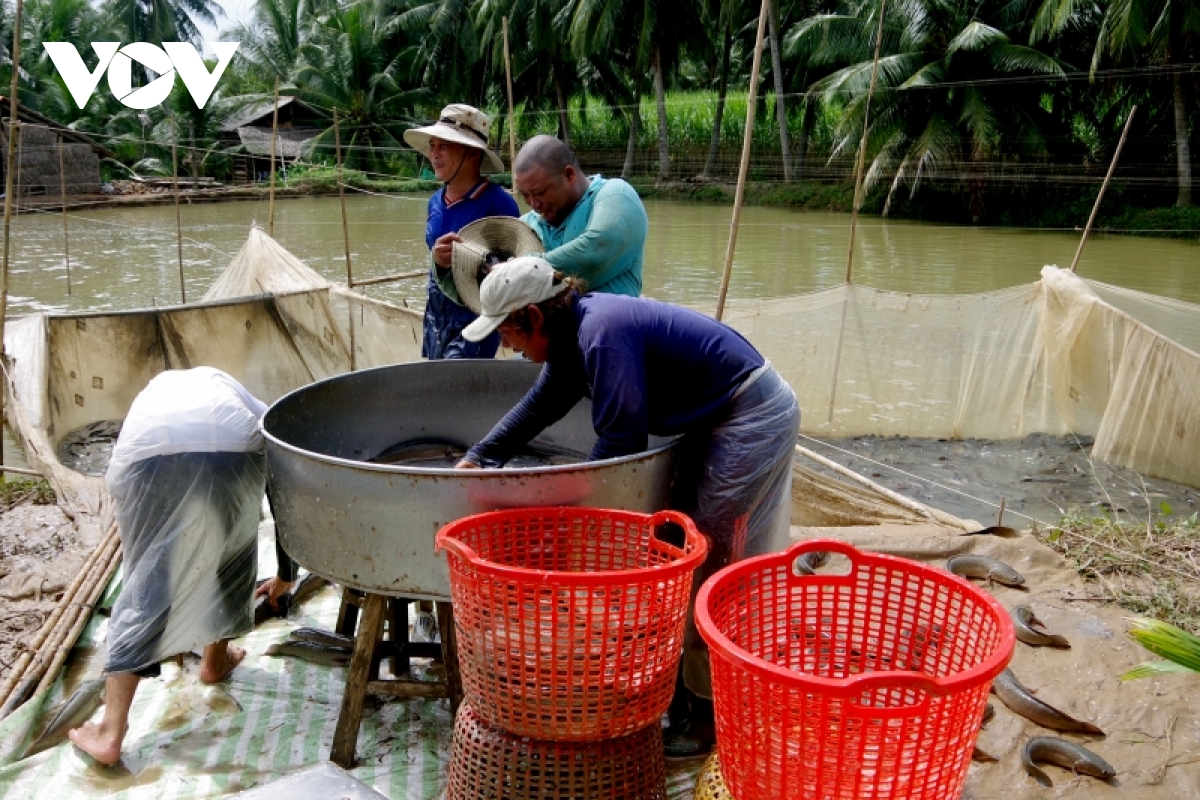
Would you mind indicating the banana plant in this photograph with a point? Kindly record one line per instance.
(1180, 648)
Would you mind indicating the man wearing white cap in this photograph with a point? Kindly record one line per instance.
(653, 369)
(457, 148)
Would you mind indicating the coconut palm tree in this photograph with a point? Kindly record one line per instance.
(447, 47)
(272, 42)
(954, 94)
(158, 21)
(1167, 33)
(346, 64)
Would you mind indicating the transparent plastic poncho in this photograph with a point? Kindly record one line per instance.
(188, 475)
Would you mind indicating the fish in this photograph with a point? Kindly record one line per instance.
(325, 638)
(1018, 698)
(309, 585)
(994, 530)
(972, 566)
(809, 563)
(74, 711)
(263, 610)
(1074, 757)
(982, 756)
(316, 653)
(1023, 622)
(989, 711)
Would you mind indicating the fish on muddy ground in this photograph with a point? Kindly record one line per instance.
(1021, 701)
(1074, 757)
(316, 653)
(76, 710)
(809, 563)
(321, 637)
(1025, 623)
(994, 530)
(973, 566)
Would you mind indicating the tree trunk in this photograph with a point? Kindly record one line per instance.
(780, 108)
(635, 120)
(806, 124)
(664, 150)
(1183, 154)
(714, 144)
(564, 122)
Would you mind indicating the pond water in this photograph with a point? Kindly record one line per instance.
(127, 258)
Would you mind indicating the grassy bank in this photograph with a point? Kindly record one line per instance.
(1148, 567)
(1034, 208)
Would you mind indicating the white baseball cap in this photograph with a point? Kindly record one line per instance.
(514, 284)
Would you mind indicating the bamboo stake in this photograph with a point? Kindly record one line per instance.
(512, 131)
(747, 137)
(274, 133)
(858, 182)
(1103, 187)
(400, 276)
(178, 226)
(68, 598)
(337, 142)
(62, 192)
(13, 127)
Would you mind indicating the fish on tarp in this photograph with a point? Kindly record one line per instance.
(986, 567)
(1026, 625)
(322, 637)
(1021, 701)
(1074, 757)
(72, 713)
(315, 653)
(309, 585)
(809, 563)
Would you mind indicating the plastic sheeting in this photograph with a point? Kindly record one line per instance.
(188, 476)
(1062, 355)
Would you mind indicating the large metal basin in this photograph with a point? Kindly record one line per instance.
(372, 526)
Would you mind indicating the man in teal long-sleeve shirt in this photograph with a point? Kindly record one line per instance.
(593, 228)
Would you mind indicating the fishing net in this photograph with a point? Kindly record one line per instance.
(1062, 355)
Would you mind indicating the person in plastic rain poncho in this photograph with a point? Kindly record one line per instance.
(593, 228)
(457, 148)
(654, 368)
(187, 474)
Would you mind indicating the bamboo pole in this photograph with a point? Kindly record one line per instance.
(62, 192)
(81, 582)
(858, 182)
(1103, 188)
(178, 225)
(274, 133)
(337, 142)
(13, 126)
(747, 138)
(512, 131)
(400, 276)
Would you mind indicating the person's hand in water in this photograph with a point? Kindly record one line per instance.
(465, 464)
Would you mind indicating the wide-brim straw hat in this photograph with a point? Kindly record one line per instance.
(461, 124)
(485, 242)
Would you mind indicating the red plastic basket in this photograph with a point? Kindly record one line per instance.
(570, 620)
(487, 763)
(866, 685)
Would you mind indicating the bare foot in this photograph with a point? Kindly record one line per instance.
(219, 660)
(91, 739)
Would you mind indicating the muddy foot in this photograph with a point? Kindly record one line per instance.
(217, 663)
(104, 748)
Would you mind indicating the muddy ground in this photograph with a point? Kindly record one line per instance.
(40, 555)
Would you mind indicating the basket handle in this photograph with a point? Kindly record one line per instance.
(668, 522)
(793, 553)
(445, 541)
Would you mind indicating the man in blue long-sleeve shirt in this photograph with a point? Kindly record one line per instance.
(653, 369)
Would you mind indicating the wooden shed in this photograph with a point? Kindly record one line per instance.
(42, 146)
(250, 129)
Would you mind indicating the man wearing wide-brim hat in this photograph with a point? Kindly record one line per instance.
(457, 148)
